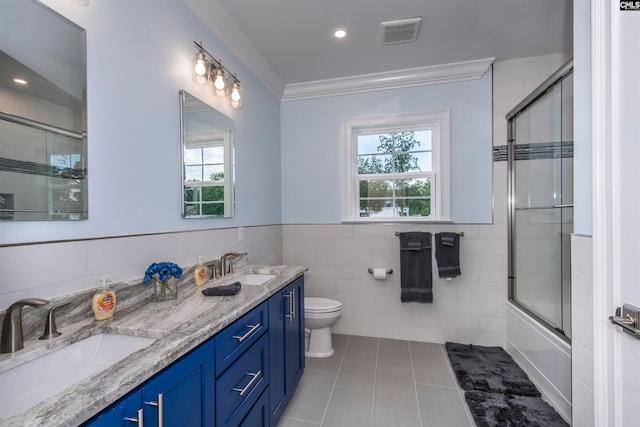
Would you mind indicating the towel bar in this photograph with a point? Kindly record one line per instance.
(460, 233)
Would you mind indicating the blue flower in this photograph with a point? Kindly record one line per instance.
(162, 271)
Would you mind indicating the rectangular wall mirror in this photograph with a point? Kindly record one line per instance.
(207, 160)
(43, 115)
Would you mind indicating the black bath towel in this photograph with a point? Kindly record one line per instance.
(448, 254)
(415, 267)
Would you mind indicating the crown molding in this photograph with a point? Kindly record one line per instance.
(436, 74)
(216, 18)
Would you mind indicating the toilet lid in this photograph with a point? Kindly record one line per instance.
(324, 305)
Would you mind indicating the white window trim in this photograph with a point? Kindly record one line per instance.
(213, 139)
(441, 160)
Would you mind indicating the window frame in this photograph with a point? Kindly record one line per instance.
(439, 123)
(210, 140)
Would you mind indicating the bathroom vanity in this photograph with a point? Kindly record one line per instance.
(216, 361)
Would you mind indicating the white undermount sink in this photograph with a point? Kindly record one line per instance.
(34, 381)
(251, 279)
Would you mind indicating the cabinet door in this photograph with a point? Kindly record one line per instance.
(126, 413)
(278, 303)
(295, 336)
(183, 394)
(286, 345)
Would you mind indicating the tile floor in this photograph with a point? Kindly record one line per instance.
(378, 382)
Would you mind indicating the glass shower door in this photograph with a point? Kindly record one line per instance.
(542, 213)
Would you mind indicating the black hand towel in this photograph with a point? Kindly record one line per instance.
(415, 267)
(448, 254)
(220, 291)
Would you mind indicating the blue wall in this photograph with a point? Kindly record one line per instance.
(312, 147)
(138, 59)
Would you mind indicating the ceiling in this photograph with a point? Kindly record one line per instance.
(290, 42)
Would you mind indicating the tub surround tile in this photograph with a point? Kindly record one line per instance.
(179, 325)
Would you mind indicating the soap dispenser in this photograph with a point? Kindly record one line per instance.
(104, 301)
(200, 273)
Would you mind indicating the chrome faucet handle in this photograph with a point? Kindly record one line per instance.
(50, 329)
(11, 340)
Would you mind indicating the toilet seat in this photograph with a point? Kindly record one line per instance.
(321, 305)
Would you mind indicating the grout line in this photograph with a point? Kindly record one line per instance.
(375, 377)
(333, 387)
(458, 388)
(415, 384)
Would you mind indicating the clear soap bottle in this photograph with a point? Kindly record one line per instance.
(200, 273)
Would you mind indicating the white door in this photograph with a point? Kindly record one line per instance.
(616, 227)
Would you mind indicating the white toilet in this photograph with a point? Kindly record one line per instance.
(319, 315)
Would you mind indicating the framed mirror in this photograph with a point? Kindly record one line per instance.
(207, 160)
(43, 115)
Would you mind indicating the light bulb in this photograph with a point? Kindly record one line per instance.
(235, 95)
(235, 92)
(219, 80)
(200, 67)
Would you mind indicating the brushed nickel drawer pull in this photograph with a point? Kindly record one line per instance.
(246, 388)
(139, 420)
(159, 405)
(248, 334)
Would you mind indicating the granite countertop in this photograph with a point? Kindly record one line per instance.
(178, 326)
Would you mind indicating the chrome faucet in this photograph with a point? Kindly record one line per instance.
(11, 340)
(224, 268)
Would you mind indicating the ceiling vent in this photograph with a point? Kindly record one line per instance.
(400, 31)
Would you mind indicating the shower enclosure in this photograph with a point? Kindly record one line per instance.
(540, 153)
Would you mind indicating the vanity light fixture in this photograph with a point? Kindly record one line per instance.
(206, 68)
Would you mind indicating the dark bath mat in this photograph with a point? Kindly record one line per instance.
(498, 392)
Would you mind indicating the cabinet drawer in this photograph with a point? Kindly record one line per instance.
(258, 416)
(239, 336)
(240, 386)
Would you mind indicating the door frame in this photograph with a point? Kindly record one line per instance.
(605, 209)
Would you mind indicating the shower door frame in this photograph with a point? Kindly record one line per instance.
(531, 99)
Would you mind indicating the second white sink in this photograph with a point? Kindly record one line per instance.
(38, 379)
(251, 279)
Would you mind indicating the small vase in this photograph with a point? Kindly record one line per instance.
(166, 290)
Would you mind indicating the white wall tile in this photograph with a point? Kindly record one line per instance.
(68, 267)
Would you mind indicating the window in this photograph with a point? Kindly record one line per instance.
(204, 175)
(397, 168)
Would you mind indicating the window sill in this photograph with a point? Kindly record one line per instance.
(396, 221)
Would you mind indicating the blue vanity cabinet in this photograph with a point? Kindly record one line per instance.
(182, 394)
(126, 413)
(241, 385)
(286, 345)
(259, 415)
(243, 376)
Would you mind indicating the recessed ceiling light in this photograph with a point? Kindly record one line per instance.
(340, 33)
(20, 81)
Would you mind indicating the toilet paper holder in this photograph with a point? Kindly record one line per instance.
(389, 271)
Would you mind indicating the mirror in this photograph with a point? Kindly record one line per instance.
(207, 160)
(43, 114)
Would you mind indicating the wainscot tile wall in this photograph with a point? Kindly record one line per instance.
(67, 267)
(469, 308)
